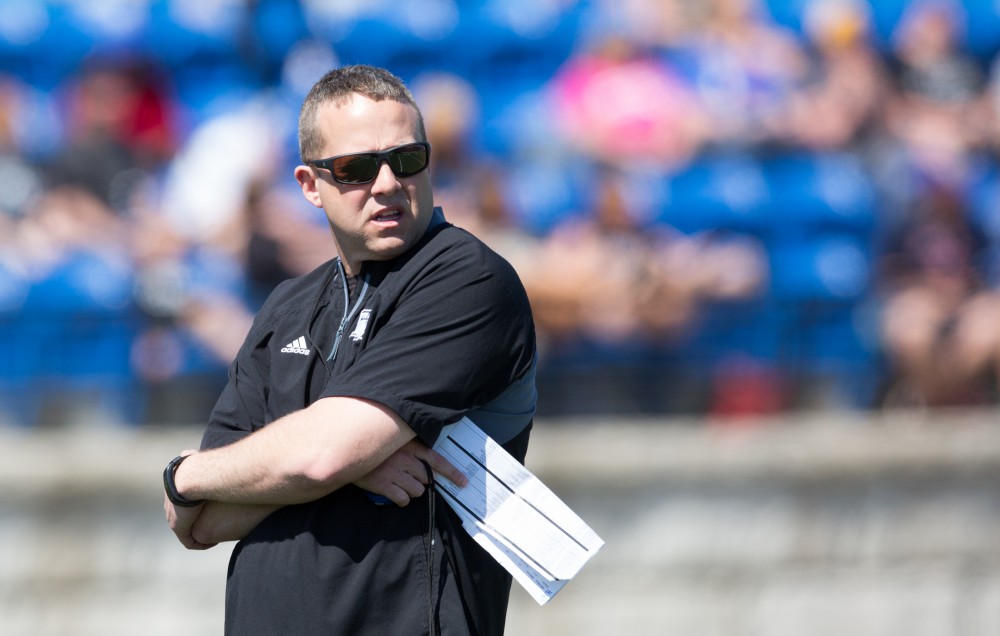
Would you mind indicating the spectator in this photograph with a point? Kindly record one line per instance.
(610, 278)
(620, 105)
(744, 68)
(838, 103)
(939, 320)
(120, 120)
(938, 87)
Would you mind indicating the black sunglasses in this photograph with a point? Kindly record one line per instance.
(362, 167)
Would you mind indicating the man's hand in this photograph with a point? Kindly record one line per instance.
(402, 477)
(181, 521)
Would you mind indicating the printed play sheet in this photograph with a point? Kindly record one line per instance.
(512, 514)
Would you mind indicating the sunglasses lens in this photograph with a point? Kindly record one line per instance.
(363, 167)
(408, 160)
(355, 168)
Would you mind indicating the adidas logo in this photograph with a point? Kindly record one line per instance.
(296, 346)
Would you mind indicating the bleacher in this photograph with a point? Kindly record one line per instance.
(818, 215)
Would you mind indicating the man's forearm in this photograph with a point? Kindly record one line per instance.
(219, 522)
(298, 458)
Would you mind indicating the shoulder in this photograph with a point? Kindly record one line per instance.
(465, 255)
(452, 274)
(476, 281)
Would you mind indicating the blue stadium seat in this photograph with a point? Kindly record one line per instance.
(831, 345)
(178, 36)
(72, 336)
(819, 286)
(727, 192)
(204, 54)
(18, 354)
(820, 192)
(40, 42)
(543, 192)
(824, 267)
(984, 215)
(510, 47)
(81, 282)
(751, 327)
(276, 26)
(515, 122)
(511, 51)
(208, 88)
(982, 28)
(382, 42)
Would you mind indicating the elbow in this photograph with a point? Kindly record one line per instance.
(217, 525)
(339, 440)
(205, 533)
(314, 465)
(323, 472)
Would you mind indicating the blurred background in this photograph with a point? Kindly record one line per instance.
(731, 206)
(774, 218)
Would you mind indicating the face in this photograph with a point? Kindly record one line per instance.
(370, 221)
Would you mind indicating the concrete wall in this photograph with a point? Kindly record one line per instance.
(827, 524)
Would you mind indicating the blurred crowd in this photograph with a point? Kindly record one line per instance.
(717, 206)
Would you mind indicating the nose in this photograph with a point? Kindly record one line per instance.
(385, 180)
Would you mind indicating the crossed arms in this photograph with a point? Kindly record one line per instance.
(296, 459)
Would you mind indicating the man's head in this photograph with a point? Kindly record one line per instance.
(378, 206)
(337, 87)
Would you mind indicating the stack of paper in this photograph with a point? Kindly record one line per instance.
(512, 514)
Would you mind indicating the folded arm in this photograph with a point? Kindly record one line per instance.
(400, 478)
(218, 522)
(299, 458)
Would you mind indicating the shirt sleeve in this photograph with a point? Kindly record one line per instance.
(241, 407)
(459, 336)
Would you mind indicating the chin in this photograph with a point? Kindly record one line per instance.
(387, 249)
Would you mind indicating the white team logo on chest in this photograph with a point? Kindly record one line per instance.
(296, 346)
(359, 330)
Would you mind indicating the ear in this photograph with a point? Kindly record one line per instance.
(308, 182)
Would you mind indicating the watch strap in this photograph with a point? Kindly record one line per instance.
(170, 487)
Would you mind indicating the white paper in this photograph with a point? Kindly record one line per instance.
(512, 514)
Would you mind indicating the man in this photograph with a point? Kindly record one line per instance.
(345, 380)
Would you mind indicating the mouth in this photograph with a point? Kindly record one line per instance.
(388, 216)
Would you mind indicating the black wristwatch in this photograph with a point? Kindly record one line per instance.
(175, 497)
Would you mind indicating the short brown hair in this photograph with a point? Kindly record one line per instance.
(337, 86)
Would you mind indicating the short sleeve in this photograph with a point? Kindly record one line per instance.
(241, 407)
(456, 339)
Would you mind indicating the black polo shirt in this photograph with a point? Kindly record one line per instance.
(435, 334)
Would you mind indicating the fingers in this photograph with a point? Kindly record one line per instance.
(403, 488)
(402, 497)
(403, 477)
(435, 460)
(443, 467)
